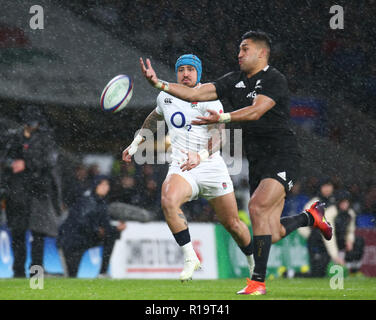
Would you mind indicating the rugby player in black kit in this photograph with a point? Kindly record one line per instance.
(259, 96)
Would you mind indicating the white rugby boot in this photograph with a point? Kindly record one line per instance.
(191, 262)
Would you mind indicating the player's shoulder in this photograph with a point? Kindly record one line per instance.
(275, 74)
(163, 95)
(163, 98)
(231, 76)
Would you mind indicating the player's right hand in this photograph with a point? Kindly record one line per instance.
(126, 156)
(192, 161)
(148, 72)
(212, 117)
(132, 148)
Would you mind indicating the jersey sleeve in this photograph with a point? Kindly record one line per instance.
(223, 85)
(159, 108)
(274, 87)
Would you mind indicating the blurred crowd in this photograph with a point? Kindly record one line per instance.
(315, 58)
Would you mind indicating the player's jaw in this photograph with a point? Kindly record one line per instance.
(187, 81)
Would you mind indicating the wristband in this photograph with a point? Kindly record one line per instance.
(224, 117)
(161, 85)
(204, 154)
(134, 145)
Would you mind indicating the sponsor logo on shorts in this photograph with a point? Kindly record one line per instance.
(224, 185)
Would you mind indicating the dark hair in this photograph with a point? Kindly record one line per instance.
(258, 36)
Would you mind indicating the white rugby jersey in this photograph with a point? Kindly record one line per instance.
(178, 115)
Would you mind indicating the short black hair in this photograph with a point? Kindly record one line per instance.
(258, 36)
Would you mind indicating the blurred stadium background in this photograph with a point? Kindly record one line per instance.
(63, 68)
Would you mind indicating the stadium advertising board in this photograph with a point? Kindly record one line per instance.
(147, 250)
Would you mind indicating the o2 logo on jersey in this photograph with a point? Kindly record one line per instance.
(178, 121)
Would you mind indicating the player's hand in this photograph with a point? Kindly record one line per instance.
(126, 156)
(121, 226)
(192, 161)
(148, 72)
(18, 166)
(213, 117)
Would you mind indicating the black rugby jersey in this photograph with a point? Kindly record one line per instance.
(272, 133)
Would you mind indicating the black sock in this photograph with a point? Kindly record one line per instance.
(247, 250)
(294, 222)
(182, 237)
(261, 248)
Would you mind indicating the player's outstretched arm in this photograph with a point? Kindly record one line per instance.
(204, 92)
(150, 123)
(260, 106)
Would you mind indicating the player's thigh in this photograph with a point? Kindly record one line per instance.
(266, 198)
(175, 191)
(225, 208)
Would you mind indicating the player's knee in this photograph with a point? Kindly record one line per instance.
(232, 225)
(169, 204)
(257, 211)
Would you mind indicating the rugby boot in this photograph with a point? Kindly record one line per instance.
(191, 264)
(317, 211)
(253, 288)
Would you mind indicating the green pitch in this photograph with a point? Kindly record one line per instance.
(97, 289)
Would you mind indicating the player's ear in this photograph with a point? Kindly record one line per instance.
(263, 52)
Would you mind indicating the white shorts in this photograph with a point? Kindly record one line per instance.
(210, 179)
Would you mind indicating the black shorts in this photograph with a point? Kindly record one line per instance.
(284, 168)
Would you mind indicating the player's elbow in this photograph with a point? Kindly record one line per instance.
(257, 116)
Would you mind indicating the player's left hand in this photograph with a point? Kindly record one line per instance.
(213, 117)
(192, 161)
(148, 72)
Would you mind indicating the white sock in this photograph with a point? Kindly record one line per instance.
(188, 250)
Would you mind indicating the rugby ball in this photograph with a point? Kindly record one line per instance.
(117, 93)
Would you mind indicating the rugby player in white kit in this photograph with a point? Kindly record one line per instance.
(197, 168)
